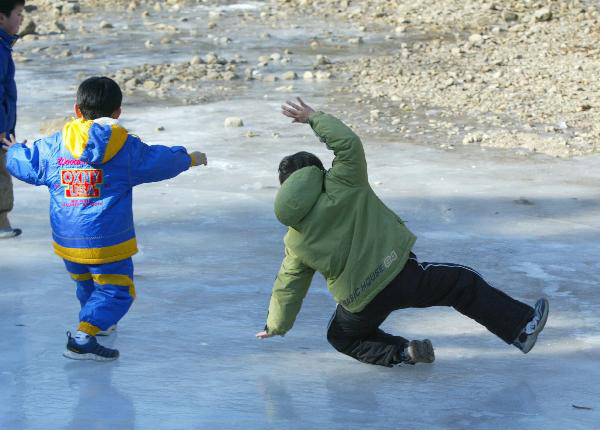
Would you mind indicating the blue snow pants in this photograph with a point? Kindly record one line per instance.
(105, 291)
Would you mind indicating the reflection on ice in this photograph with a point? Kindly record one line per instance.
(100, 403)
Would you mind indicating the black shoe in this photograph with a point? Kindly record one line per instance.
(10, 233)
(527, 338)
(91, 350)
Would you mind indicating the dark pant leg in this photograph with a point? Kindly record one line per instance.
(421, 285)
(6, 193)
(358, 336)
(444, 284)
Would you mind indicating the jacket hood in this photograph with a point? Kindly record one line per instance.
(298, 195)
(94, 142)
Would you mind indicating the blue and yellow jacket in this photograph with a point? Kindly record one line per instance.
(90, 169)
(8, 87)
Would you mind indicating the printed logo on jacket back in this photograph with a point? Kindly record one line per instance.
(81, 183)
(386, 264)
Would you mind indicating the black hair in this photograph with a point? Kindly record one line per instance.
(98, 97)
(7, 6)
(301, 159)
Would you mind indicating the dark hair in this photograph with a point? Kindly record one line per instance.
(7, 6)
(301, 159)
(98, 97)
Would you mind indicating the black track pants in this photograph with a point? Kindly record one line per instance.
(421, 285)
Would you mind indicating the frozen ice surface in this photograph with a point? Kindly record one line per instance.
(210, 248)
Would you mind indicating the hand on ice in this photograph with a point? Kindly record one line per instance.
(299, 113)
(6, 144)
(199, 158)
(263, 335)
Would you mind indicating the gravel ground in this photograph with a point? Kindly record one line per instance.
(516, 74)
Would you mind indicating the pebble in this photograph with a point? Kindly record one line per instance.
(322, 60)
(150, 85)
(289, 76)
(323, 75)
(28, 27)
(513, 53)
(233, 122)
(211, 58)
(543, 15)
(509, 16)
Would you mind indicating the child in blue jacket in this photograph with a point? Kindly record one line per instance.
(90, 169)
(11, 17)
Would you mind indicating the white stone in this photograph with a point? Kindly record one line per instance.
(233, 122)
(322, 60)
(476, 38)
(289, 76)
(211, 58)
(544, 14)
(150, 85)
(323, 76)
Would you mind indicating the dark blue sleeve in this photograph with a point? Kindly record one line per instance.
(3, 72)
(28, 164)
(153, 163)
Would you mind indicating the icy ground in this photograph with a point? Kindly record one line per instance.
(210, 249)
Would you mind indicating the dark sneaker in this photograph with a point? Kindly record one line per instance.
(419, 351)
(92, 350)
(527, 338)
(7, 233)
(108, 331)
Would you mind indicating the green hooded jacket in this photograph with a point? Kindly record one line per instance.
(338, 227)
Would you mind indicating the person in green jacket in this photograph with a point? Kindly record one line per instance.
(339, 227)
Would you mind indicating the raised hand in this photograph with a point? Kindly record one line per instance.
(298, 112)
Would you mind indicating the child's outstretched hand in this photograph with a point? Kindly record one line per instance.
(263, 335)
(199, 158)
(6, 144)
(299, 113)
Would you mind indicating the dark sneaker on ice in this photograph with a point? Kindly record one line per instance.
(92, 350)
(528, 336)
(419, 351)
(7, 233)
(108, 331)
